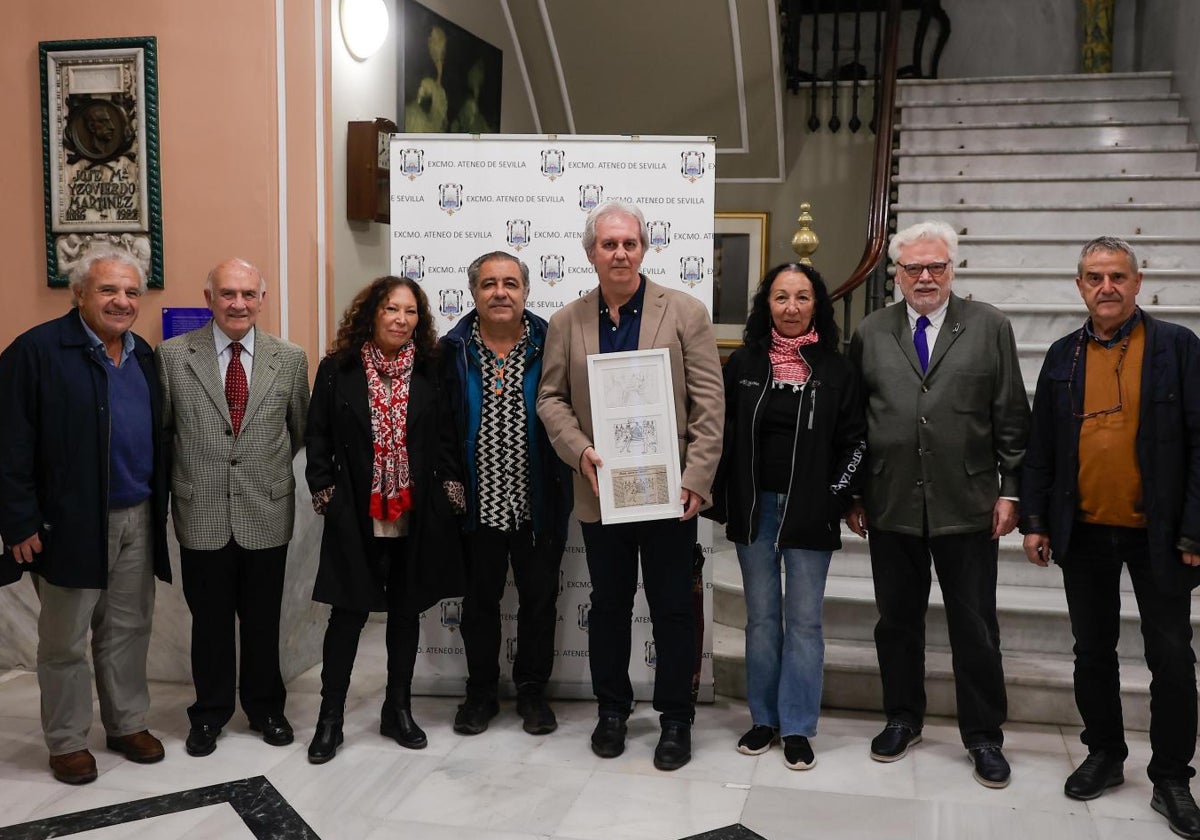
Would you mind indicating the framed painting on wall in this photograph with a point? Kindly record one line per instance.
(100, 151)
(739, 262)
(449, 78)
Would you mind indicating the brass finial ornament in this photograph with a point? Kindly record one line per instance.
(806, 242)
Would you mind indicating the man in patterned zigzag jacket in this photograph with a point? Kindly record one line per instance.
(519, 492)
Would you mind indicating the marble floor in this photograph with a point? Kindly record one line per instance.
(506, 785)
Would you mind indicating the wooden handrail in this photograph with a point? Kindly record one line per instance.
(877, 214)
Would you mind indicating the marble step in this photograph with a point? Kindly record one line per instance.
(1165, 286)
(1034, 87)
(1039, 687)
(1008, 136)
(1049, 189)
(1144, 108)
(1039, 322)
(854, 561)
(1033, 619)
(1017, 163)
(1084, 220)
(1063, 251)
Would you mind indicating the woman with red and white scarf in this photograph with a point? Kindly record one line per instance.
(794, 441)
(383, 471)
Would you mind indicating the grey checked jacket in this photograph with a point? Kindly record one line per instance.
(224, 486)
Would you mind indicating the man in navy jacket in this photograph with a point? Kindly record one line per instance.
(518, 492)
(83, 507)
(1112, 478)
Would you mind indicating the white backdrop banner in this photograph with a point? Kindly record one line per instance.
(455, 197)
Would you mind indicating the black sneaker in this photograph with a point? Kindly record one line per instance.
(893, 742)
(1173, 799)
(537, 715)
(1098, 772)
(991, 767)
(674, 745)
(797, 753)
(473, 716)
(608, 738)
(757, 740)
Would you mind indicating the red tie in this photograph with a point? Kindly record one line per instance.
(237, 392)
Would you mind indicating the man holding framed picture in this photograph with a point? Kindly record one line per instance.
(629, 312)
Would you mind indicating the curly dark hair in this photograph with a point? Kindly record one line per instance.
(758, 324)
(358, 322)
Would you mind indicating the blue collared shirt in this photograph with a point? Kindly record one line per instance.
(126, 341)
(616, 338)
(1119, 335)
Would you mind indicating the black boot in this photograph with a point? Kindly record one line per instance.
(396, 720)
(328, 735)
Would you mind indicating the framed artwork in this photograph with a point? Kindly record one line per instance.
(633, 432)
(100, 151)
(450, 79)
(739, 263)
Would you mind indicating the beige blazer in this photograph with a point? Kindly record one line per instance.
(224, 486)
(670, 319)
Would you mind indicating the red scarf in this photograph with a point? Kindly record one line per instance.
(391, 485)
(787, 365)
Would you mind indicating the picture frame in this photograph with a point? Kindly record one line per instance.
(100, 152)
(740, 245)
(634, 433)
(450, 79)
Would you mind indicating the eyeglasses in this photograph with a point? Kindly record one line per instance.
(915, 270)
(1116, 409)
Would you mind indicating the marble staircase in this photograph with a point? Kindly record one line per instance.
(1026, 169)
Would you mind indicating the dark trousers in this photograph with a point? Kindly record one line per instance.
(535, 566)
(403, 632)
(966, 569)
(221, 586)
(666, 548)
(1092, 579)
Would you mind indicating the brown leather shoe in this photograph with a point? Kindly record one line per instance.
(74, 768)
(140, 747)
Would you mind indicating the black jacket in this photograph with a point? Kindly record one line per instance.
(830, 444)
(352, 572)
(1167, 443)
(54, 439)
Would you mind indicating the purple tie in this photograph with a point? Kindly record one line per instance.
(921, 344)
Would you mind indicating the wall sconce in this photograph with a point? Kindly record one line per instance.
(364, 26)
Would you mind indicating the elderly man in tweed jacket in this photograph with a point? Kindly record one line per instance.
(234, 403)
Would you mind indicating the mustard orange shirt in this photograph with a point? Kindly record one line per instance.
(1110, 482)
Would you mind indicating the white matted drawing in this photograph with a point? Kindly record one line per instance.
(629, 386)
(636, 435)
(634, 430)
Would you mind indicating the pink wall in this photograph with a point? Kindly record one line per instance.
(218, 139)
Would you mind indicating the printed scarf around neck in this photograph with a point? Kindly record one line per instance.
(787, 365)
(391, 485)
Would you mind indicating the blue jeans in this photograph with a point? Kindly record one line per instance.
(785, 646)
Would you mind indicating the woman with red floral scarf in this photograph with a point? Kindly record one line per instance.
(794, 442)
(383, 471)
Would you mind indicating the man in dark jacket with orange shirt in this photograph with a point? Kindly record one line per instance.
(1112, 478)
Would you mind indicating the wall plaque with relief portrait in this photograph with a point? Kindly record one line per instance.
(100, 147)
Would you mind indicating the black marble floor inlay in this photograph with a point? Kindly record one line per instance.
(265, 812)
(729, 832)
